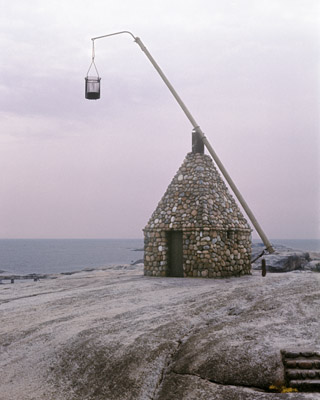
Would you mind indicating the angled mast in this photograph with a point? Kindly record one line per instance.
(201, 134)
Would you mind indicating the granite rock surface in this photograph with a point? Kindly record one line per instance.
(116, 334)
(285, 259)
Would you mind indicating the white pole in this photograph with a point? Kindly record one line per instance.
(224, 172)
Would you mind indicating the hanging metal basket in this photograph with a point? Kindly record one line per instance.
(92, 83)
(92, 88)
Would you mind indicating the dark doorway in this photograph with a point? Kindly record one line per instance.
(175, 257)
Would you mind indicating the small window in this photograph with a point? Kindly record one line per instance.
(230, 234)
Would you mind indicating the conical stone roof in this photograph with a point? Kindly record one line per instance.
(197, 197)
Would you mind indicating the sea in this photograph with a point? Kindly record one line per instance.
(53, 256)
(312, 245)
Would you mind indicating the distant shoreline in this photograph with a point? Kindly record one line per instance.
(309, 245)
(38, 277)
(31, 259)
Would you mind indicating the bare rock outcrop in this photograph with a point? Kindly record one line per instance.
(118, 335)
(285, 259)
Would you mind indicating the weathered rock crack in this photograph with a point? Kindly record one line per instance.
(167, 368)
(234, 385)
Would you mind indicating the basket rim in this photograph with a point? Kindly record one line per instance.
(93, 78)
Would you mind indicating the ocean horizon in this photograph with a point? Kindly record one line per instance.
(53, 256)
(297, 244)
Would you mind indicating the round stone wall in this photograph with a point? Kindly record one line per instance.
(216, 238)
(206, 253)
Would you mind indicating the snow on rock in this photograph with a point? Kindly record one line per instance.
(116, 334)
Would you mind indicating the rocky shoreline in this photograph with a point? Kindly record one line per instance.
(115, 334)
(285, 259)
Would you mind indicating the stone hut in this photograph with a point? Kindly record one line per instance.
(197, 229)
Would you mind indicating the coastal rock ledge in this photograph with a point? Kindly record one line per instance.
(285, 259)
(114, 334)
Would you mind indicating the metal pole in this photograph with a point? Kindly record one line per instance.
(224, 172)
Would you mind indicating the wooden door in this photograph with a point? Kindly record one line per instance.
(175, 256)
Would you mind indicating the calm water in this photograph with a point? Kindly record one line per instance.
(40, 256)
(48, 256)
(299, 244)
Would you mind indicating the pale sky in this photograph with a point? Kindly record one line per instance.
(248, 70)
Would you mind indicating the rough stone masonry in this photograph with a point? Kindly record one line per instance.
(216, 238)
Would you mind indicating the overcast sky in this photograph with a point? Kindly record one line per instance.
(248, 70)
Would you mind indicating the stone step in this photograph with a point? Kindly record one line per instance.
(307, 385)
(296, 354)
(302, 363)
(303, 373)
(302, 369)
